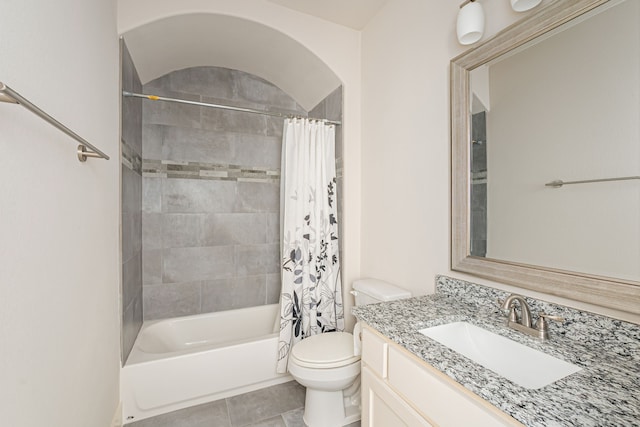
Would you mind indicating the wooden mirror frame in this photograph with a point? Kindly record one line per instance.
(608, 292)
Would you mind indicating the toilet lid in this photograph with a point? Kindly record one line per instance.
(327, 350)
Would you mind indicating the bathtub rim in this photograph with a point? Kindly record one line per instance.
(137, 355)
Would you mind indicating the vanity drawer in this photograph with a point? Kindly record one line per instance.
(437, 397)
(383, 407)
(375, 350)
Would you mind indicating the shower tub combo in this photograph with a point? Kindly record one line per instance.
(186, 361)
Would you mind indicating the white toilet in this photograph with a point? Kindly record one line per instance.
(328, 365)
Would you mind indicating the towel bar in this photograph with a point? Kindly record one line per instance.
(85, 149)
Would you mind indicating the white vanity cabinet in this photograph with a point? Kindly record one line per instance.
(398, 389)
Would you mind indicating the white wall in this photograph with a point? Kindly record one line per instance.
(59, 266)
(405, 150)
(406, 51)
(338, 47)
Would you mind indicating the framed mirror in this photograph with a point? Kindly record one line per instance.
(546, 154)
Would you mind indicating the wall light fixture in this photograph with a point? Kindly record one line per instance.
(470, 24)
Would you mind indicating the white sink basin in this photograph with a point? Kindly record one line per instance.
(523, 365)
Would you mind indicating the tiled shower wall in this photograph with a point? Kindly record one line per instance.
(211, 193)
(131, 144)
(479, 185)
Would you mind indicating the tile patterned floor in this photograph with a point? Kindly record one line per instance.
(278, 406)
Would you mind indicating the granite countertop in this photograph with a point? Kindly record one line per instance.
(606, 392)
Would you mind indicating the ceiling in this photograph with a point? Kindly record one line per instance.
(349, 13)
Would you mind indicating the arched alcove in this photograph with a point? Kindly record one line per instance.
(213, 58)
(336, 47)
(208, 39)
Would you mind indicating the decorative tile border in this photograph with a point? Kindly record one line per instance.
(198, 170)
(479, 177)
(207, 171)
(130, 158)
(339, 167)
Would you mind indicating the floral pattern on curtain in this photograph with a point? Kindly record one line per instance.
(311, 296)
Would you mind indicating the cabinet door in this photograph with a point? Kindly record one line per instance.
(445, 402)
(382, 407)
(374, 352)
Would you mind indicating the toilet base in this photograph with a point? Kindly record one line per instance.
(329, 408)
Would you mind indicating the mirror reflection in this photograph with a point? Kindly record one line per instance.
(566, 107)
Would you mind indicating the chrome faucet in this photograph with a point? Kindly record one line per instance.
(523, 322)
(525, 313)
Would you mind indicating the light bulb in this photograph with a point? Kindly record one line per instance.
(524, 5)
(470, 25)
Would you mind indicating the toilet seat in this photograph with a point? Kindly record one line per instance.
(325, 351)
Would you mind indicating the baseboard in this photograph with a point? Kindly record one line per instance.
(117, 417)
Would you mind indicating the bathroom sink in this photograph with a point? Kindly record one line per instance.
(523, 365)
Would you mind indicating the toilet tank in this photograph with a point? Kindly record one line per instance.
(370, 291)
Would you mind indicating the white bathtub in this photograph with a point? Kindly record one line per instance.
(176, 363)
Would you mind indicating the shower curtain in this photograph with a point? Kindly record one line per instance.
(311, 296)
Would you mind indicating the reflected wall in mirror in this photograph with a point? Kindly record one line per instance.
(555, 97)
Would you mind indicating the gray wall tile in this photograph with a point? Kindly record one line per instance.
(234, 229)
(152, 267)
(152, 141)
(182, 230)
(131, 129)
(131, 324)
(128, 236)
(275, 127)
(171, 113)
(151, 194)
(217, 119)
(197, 263)
(136, 230)
(198, 145)
(220, 231)
(257, 259)
(131, 190)
(131, 107)
(131, 208)
(258, 151)
(171, 300)
(257, 197)
(256, 90)
(274, 286)
(152, 231)
(273, 227)
(216, 82)
(198, 196)
(131, 235)
(229, 294)
(131, 278)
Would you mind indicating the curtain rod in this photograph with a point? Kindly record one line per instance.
(221, 106)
